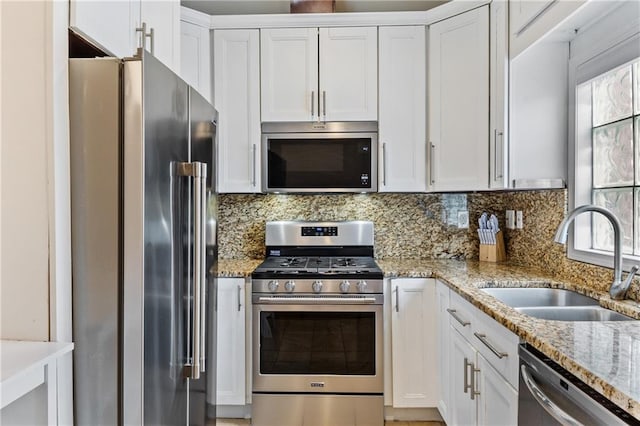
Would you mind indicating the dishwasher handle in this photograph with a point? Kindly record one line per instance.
(554, 410)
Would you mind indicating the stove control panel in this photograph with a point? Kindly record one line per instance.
(311, 286)
(319, 231)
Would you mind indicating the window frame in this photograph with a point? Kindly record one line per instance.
(611, 46)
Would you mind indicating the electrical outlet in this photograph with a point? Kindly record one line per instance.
(463, 219)
(519, 219)
(510, 218)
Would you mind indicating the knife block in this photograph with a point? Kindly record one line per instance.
(494, 252)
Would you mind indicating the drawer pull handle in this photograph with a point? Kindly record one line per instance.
(452, 312)
(483, 339)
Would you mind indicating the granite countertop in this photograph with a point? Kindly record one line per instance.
(605, 355)
(236, 268)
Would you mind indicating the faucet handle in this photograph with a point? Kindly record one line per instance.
(632, 273)
(619, 289)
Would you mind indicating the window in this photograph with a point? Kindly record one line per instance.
(615, 176)
(604, 81)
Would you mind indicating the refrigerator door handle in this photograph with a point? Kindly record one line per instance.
(197, 172)
(203, 264)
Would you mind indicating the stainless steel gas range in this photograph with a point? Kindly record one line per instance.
(317, 326)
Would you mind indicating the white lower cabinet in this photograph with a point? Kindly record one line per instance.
(482, 367)
(498, 401)
(413, 342)
(231, 349)
(462, 356)
(444, 338)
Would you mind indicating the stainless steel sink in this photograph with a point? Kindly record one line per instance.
(538, 297)
(574, 313)
(554, 304)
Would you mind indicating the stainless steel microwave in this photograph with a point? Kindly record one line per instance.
(320, 157)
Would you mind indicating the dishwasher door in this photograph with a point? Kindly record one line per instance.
(549, 395)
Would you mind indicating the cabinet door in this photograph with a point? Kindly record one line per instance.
(237, 99)
(111, 24)
(230, 386)
(462, 410)
(459, 102)
(163, 16)
(195, 57)
(413, 342)
(498, 401)
(349, 74)
(499, 63)
(444, 379)
(403, 104)
(289, 73)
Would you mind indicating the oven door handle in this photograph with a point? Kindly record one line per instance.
(317, 300)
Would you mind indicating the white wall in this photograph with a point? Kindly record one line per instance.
(35, 249)
(25, 172)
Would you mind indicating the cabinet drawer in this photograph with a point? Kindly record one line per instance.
(498, 346)
(461, 315)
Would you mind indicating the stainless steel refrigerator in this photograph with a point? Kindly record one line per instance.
(143, 242)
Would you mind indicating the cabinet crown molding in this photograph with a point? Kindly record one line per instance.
(427, 17)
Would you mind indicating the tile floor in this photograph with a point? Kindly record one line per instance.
(242, 422)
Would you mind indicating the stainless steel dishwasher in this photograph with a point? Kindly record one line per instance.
(550, 395)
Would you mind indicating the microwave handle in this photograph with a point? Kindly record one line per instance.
(313, 107)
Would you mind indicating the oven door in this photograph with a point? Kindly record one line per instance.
(313, 348)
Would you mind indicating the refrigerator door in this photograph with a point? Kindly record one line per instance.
(157, 298)
(203, 124)
(94, 112)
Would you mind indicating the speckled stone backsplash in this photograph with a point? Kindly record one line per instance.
(416, 226)
(406, 225)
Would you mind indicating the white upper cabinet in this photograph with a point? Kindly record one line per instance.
(413, 342)
(349, 74)
(403, 103)
(111, 24)
(327, 74)
(498, 106)
(289, 73)
(459, 102)
(195, 51)
(116, 26)
(164, 18)
(237, 99)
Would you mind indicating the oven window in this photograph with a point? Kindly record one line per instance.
(319, 163)
(340, 343)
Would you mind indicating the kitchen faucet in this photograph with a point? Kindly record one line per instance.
(618, 288)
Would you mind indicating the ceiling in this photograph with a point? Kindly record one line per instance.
(250, 7)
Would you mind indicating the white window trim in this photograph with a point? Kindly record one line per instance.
(602, 49)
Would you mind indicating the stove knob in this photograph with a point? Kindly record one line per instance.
(344, 286)
(316, 286)
(273, 285)
(361, 286)
(289, 286)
